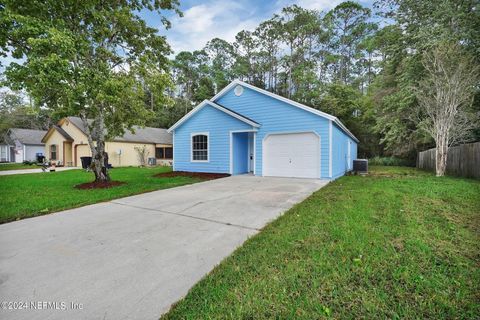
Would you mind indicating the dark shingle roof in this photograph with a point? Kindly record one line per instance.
(27, 136)
(63, 133)
(142, 135)
(238, 114)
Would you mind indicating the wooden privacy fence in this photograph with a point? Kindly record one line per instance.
(463, 161)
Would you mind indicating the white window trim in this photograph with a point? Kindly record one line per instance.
(254, 147)
(208, 146)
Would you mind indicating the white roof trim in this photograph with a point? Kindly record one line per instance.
(212, 104)
(291, 102)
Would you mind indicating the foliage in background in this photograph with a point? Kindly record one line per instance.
(445, 97)
(142, 154)
(357, 64)
(97, 60)
(360, 64)
(16, 112)
(390, 161)
(419, 26)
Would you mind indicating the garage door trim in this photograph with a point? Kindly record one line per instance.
(293, 132)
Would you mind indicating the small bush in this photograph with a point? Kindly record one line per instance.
(29, 163)
(390, 161)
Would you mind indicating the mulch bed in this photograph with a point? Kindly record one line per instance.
(201, 175)
(99, 185)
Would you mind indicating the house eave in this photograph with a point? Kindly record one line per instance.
(286, 100)
(216, 106)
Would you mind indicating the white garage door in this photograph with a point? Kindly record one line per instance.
(292, 155)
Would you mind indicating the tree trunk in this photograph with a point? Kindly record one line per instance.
(99, 163)
(99, 156)
(441, 152)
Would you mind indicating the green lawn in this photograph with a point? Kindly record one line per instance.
(28, 195)
(16, 166)
(398, 244)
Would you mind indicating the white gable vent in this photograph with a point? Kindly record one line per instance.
(238, 90)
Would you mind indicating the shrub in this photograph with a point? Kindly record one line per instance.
(390, 161)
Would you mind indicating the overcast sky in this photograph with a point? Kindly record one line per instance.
(208, 19)
(205, 20)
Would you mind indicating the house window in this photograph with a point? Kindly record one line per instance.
(164, 153)
(168, 153)
(159, 153)
(53, 152)
(200, 147)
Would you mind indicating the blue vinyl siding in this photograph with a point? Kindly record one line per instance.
(240, 152)
(218, 125)
(276, 116)
(340, 143)
(354, 151)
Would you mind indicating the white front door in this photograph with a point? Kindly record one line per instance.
(292, 155)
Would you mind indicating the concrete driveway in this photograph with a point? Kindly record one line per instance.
(133, 257)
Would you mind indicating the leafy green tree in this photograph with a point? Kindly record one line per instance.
(349, 25)
(418, 27)
(222, 57)
(94, 59)
(445, 96)
(268, 36)
(17, 112)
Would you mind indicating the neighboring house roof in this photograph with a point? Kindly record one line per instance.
(141, 135)
(3, 140)
(26, 136)
(218, 107)
(283, 99)
(62, 132)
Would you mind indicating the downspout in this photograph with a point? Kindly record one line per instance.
(330, 132)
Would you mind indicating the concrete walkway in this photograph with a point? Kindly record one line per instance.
(133, 257)
(39, 170)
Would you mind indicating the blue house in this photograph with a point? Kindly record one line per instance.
(244, 129)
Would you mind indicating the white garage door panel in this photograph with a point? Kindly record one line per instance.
(292, 155)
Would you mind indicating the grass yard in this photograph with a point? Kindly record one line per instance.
(398, 244)
(28, 195)
(17, 166)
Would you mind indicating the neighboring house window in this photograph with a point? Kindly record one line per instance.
(159, 153)
(164, 153)
(53, 152)
(200, 147)
(3, 155)
(169, 153)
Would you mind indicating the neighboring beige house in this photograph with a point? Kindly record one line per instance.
(66, 142)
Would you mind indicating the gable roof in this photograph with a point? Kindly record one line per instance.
(142, 135)
(283, 99)
(218, 107)
(63, 133)
(26, 136)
